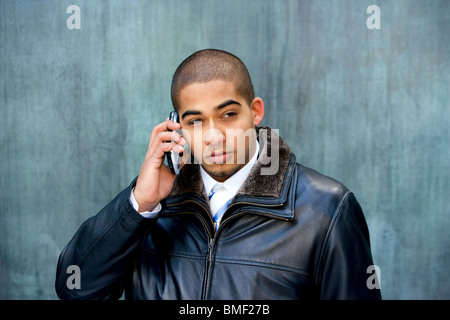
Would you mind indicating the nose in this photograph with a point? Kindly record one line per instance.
(213, 136)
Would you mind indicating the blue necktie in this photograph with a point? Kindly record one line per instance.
(217, 215)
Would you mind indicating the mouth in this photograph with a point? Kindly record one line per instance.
(218, 157)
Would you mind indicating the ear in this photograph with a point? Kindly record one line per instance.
(257, 108)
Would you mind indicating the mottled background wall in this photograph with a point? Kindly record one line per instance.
(368, 107)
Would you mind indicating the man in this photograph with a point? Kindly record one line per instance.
(223, 228)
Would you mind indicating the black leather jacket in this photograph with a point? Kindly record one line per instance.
(293, 235)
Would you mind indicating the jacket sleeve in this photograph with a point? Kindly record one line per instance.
(346, 255)
(102, 250)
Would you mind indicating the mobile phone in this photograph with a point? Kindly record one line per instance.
(174, 158)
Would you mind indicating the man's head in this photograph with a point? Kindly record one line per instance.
(213, 93)
(212, 64)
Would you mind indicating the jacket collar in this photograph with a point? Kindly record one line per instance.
(268, 184)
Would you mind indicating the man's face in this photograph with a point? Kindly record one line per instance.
(219, 126)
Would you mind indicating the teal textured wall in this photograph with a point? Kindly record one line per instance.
(368, 107)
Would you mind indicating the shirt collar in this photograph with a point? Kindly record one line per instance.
(233, 183)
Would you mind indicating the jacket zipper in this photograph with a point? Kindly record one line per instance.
(212, 242)
(209, 255)
(209, 258)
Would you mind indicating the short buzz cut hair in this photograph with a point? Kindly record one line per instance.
(212, 64)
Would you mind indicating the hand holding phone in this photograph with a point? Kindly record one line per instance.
(155, 180)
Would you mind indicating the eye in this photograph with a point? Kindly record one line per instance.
(229, 114)
(195, 122)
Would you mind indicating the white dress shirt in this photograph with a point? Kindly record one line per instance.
(232, 185)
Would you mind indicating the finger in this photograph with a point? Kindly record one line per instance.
(169, 136)
(157, 154)
(177, 148)
(171, 125)
(166, 146)
(165, 126)
(177, 138)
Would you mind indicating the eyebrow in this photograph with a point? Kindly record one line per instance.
(220, 106)
(227, 103)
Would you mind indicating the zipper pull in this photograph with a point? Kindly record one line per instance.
(210, 249)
